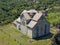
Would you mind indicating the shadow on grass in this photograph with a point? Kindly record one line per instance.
(48, 36)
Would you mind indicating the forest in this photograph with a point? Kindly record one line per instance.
(11, 9)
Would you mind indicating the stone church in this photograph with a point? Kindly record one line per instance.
(33, 23)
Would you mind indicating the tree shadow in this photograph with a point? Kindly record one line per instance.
(48, 36)
(57, 39)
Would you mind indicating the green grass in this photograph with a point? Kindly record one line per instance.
(11, 36)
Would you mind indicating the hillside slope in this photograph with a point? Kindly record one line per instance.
(11, 36)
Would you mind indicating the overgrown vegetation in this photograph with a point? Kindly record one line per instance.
(54, 18)
(11, 9)
(11, 36)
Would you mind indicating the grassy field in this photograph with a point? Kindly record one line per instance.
(11, 36)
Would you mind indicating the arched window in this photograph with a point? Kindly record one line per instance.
(19, 27)
(23, 19)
